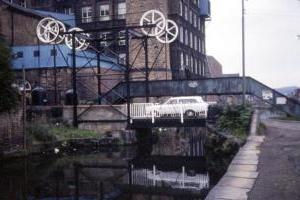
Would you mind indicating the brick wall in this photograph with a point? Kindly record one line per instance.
(18, 28)
(11, 130)
(87, 82)
(158, 54)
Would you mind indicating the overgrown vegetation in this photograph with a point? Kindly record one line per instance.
(8, 95)
(235, 120)
(261, 129)
(45, 133)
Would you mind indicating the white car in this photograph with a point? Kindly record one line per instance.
(176, 106)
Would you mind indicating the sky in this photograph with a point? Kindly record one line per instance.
(271, 45)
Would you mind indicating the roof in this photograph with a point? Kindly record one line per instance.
(87, 59)
(19, 8)
(67, 19)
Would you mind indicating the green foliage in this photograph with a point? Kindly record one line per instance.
(261, 129)
(8, 96)
(236, 120)
(219, 152)
(51, 133)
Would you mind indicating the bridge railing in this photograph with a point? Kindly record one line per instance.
(139, 110)
(179, 111)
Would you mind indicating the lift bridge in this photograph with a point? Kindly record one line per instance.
(138, 118)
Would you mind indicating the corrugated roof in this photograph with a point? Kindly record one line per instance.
(63, 58)
(67, 19)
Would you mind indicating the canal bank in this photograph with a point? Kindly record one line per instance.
(243, 171)
(279, 162)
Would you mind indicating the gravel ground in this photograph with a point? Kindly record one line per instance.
(279, 163)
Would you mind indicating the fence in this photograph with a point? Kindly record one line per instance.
(153, 111)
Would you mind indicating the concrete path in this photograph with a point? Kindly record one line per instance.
(279, 163)
(242, 172)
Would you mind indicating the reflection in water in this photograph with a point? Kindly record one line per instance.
(177, 173)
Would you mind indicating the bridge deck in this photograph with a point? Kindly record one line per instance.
(209, 86)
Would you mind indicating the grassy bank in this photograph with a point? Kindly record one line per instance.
(45, 133)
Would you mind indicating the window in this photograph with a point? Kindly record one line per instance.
(104, 36)
(192, 64)
(86, 14)
(122, 58)
(187, 101)
(36, 53)
(181, 59)
(191, 40)
(104, 12)
(186, 37)
(19, 54)
(53, 52)
(23, 3)
(181, 35)
(195, 43)
(200, 45)
(191, 17)
(195, 21)
(68, 11)
(186, 13)
(180, 8)
(196, 66)
(173, 101)
(121, 37)
(122, 10)
(186, 60)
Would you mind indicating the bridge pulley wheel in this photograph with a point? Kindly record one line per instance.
(61, 37)
(170, 32)
(48, 30)
(80, 39)
(153, 17)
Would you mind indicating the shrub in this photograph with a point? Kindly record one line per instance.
(8, 96)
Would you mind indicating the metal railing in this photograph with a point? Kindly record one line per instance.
(148, 111)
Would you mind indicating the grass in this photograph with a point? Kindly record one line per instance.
(44, 133)
(235, 120)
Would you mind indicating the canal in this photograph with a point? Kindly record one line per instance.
(173, 164)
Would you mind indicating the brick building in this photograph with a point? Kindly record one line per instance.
(18, 27)
(185, 58)
(214, 68)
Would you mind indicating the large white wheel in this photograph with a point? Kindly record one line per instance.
(61, 36)
(153, 17)
(170, 33)
(80, 39)
(47, 30)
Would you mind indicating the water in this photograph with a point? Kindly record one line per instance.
(173, 168)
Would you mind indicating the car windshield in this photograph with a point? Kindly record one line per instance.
(171, 101)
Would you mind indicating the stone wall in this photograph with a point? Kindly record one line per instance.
(94, 117)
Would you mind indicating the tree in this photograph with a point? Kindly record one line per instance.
(8, 96)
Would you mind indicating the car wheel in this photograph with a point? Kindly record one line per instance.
(190, 113)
